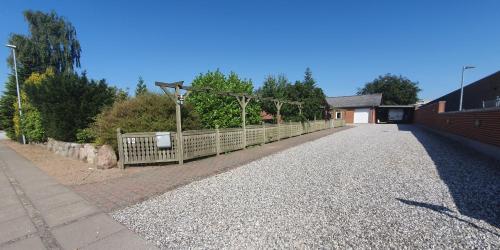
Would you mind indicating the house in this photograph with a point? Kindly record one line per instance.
(484, 93)
(266, 117)
(369, 109)
(355, 109)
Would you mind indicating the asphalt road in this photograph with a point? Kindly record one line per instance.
(374, 186)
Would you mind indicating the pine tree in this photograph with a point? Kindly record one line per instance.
(141, 87)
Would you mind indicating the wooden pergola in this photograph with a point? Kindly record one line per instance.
(181, 92)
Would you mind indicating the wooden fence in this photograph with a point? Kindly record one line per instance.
(139, 148)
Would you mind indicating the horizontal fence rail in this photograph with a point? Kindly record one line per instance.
(142, 148)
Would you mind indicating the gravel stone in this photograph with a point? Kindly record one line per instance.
(373, 186)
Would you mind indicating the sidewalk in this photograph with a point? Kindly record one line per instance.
(38, 213)
(121, 192)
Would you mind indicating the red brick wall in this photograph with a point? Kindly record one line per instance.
(479, 125)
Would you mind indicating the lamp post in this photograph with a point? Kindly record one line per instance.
(462, 86)
(13, 48)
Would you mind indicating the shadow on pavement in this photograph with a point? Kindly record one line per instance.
(472, 178)
(443, 210)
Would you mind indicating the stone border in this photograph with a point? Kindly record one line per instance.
(103, 157)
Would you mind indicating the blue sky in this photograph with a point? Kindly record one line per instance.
(345, 43)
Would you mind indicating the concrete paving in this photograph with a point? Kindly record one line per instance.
(36, 212)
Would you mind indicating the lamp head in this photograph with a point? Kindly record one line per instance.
(11, 46)
(469, 67)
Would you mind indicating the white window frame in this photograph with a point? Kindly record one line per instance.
(338, 114)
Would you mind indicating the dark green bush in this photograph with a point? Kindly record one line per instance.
(147, 112)
(69, 102)
(85, 135)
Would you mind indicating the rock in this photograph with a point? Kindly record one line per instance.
(75, 150)
(50, 144)
(91, 153)
(82, 155)
(106, 157)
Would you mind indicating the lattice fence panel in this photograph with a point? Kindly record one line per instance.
(255, 136)
(198, 145)
(141, 148)
(339, 123)
(231, 139)
(271, 133)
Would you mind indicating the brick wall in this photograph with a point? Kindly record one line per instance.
(480, 125)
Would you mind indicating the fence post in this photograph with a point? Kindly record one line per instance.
(217, 140)
(279, 131)
(120, 148)
(263, 134)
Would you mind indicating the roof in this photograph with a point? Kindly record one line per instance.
(354, 101)
(487, 88)
(398, 106)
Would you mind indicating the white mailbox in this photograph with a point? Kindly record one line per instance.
(163, 140)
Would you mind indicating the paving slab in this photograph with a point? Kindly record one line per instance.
(86, 231)
(8, 199)
(38, 213)
(16, 228)
(11, 212)
(68, 213)
(31, 243)
(36, 184)
(46, 192)
(123, 240)
(57, 200)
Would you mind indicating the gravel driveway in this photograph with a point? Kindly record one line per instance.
(378, 186)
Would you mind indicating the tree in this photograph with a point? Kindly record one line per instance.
(31, 123)
(273, 87)
(7, 110)
(312, 96)
(148, 112)
(304, 91)
(222, 111)
(141, 87)
(396, 90)
(51, 43)
(69, 102)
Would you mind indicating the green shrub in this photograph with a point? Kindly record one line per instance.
(85, 135)
(147, 112)
(32, 126)
(69, 102)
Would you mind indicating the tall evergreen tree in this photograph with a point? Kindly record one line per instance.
(141, 87)
(305, 91)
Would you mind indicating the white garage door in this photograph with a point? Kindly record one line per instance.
(361, 115)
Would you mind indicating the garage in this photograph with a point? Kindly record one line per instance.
(355, 109)
(395, 113)
(361, 115)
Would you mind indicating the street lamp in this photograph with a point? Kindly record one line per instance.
(13, 48)
(462, 86)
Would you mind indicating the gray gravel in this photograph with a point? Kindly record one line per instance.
(374, 186)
